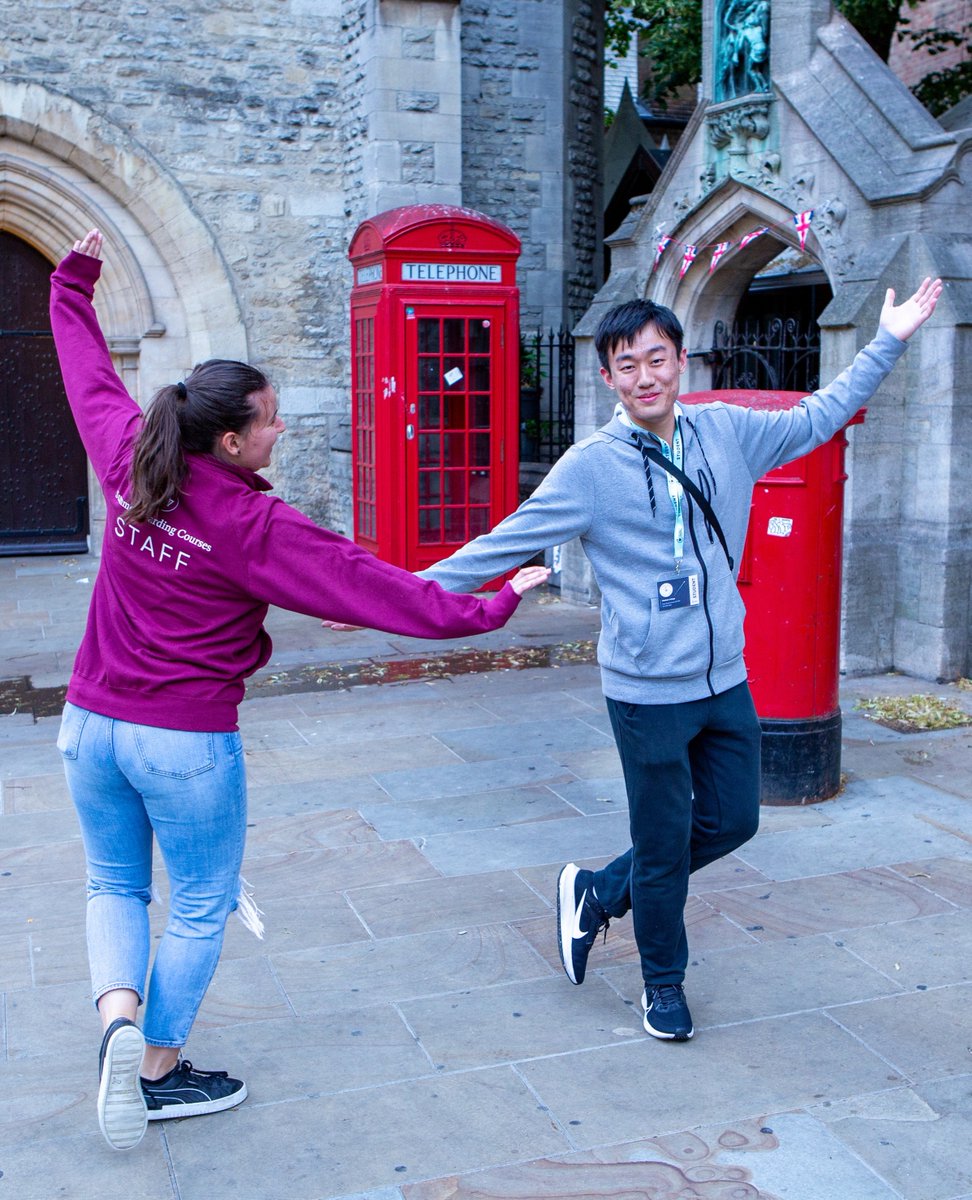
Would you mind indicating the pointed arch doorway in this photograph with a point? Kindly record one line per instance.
(44, 499)
(773, 341)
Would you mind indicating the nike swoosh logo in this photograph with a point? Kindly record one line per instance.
(576, 931)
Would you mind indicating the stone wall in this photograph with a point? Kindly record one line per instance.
(532, 116)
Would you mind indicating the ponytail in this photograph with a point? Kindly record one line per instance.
(188, 416)
(159, 465)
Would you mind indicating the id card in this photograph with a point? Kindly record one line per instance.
(678, 591)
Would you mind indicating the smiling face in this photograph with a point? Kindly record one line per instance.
(646, 374)
(253, 447)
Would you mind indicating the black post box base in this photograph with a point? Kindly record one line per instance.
(800, 760)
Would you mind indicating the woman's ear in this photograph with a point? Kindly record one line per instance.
(228, 445)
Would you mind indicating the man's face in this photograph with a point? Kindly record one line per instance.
(646, 373)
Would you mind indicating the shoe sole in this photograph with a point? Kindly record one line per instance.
(661, 1034)
(565, 903)
(121, 1105)
(175, 1111)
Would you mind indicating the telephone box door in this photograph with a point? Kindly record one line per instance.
(456, 432)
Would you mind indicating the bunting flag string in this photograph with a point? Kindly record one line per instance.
(717, 252)
(801, 221)
(751, 237)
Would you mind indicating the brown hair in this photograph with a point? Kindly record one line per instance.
(215, 398)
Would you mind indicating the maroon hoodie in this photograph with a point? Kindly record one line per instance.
(176, 618)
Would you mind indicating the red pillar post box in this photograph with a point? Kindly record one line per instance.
(789, 579)
(434, 360)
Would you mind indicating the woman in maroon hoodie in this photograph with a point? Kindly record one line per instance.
(195, 552)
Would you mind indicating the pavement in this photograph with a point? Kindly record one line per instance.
(405, 1029)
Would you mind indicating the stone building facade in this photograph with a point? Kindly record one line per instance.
(228, 152)
(827, 127)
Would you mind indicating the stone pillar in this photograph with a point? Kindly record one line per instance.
(411, 104)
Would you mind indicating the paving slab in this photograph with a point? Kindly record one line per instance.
(320, 978)
(743, 1070)
(372, 1138)
(553, 841)
(921, 1148)
(512, 1022)
(450, 814)
(933, 1020)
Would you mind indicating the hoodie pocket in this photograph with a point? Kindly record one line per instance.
(623, 643)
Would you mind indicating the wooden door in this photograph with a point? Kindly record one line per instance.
(44, 492)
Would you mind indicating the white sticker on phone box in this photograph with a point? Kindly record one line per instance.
(452, 376)
(780, 526)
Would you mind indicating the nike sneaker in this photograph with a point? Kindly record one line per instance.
(186, 1092)
(579, 920)
(666, 1012)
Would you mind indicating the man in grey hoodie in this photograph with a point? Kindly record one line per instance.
(671, 642)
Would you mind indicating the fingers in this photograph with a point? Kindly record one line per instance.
(340, 627)
(529, 577)
(90, 244)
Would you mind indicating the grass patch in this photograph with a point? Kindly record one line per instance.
(913, 714)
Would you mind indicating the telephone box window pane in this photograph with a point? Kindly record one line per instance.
(430, 527)
(454, 329)
(478, 521)
(430, 450)
(430, 412)
(479, 412)
(455, 487)
(479, 449)
(455, 412)
(428, 335)
(479, 487)
(479, 374)
(429, 487)
(455, 524)
(429, 375)
(455, 449)
(478, 337)
(454, 373)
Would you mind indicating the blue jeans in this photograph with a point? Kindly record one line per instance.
(691, 772)
(129, 782)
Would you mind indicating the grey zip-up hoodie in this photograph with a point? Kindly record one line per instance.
(598, 492)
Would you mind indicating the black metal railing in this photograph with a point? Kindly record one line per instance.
(775, 354)
(546, 395)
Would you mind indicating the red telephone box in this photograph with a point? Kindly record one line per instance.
(434, 361)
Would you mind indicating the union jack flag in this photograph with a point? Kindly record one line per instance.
(751, 237)
(802, 222)
(717, 252)
(687, 259)
(660, 250)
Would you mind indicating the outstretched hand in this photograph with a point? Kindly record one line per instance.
(525, 579)
(90, 244)
(529, 577)
(903, 319)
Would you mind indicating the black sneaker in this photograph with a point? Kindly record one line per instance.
(186, 1092)
(121, 1107)
(579, 920)
(666, 1013)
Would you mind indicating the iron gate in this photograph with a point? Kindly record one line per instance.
(774, 354)
(546, 395)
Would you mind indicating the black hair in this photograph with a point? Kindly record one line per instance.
(215, 399)
(622, 324)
